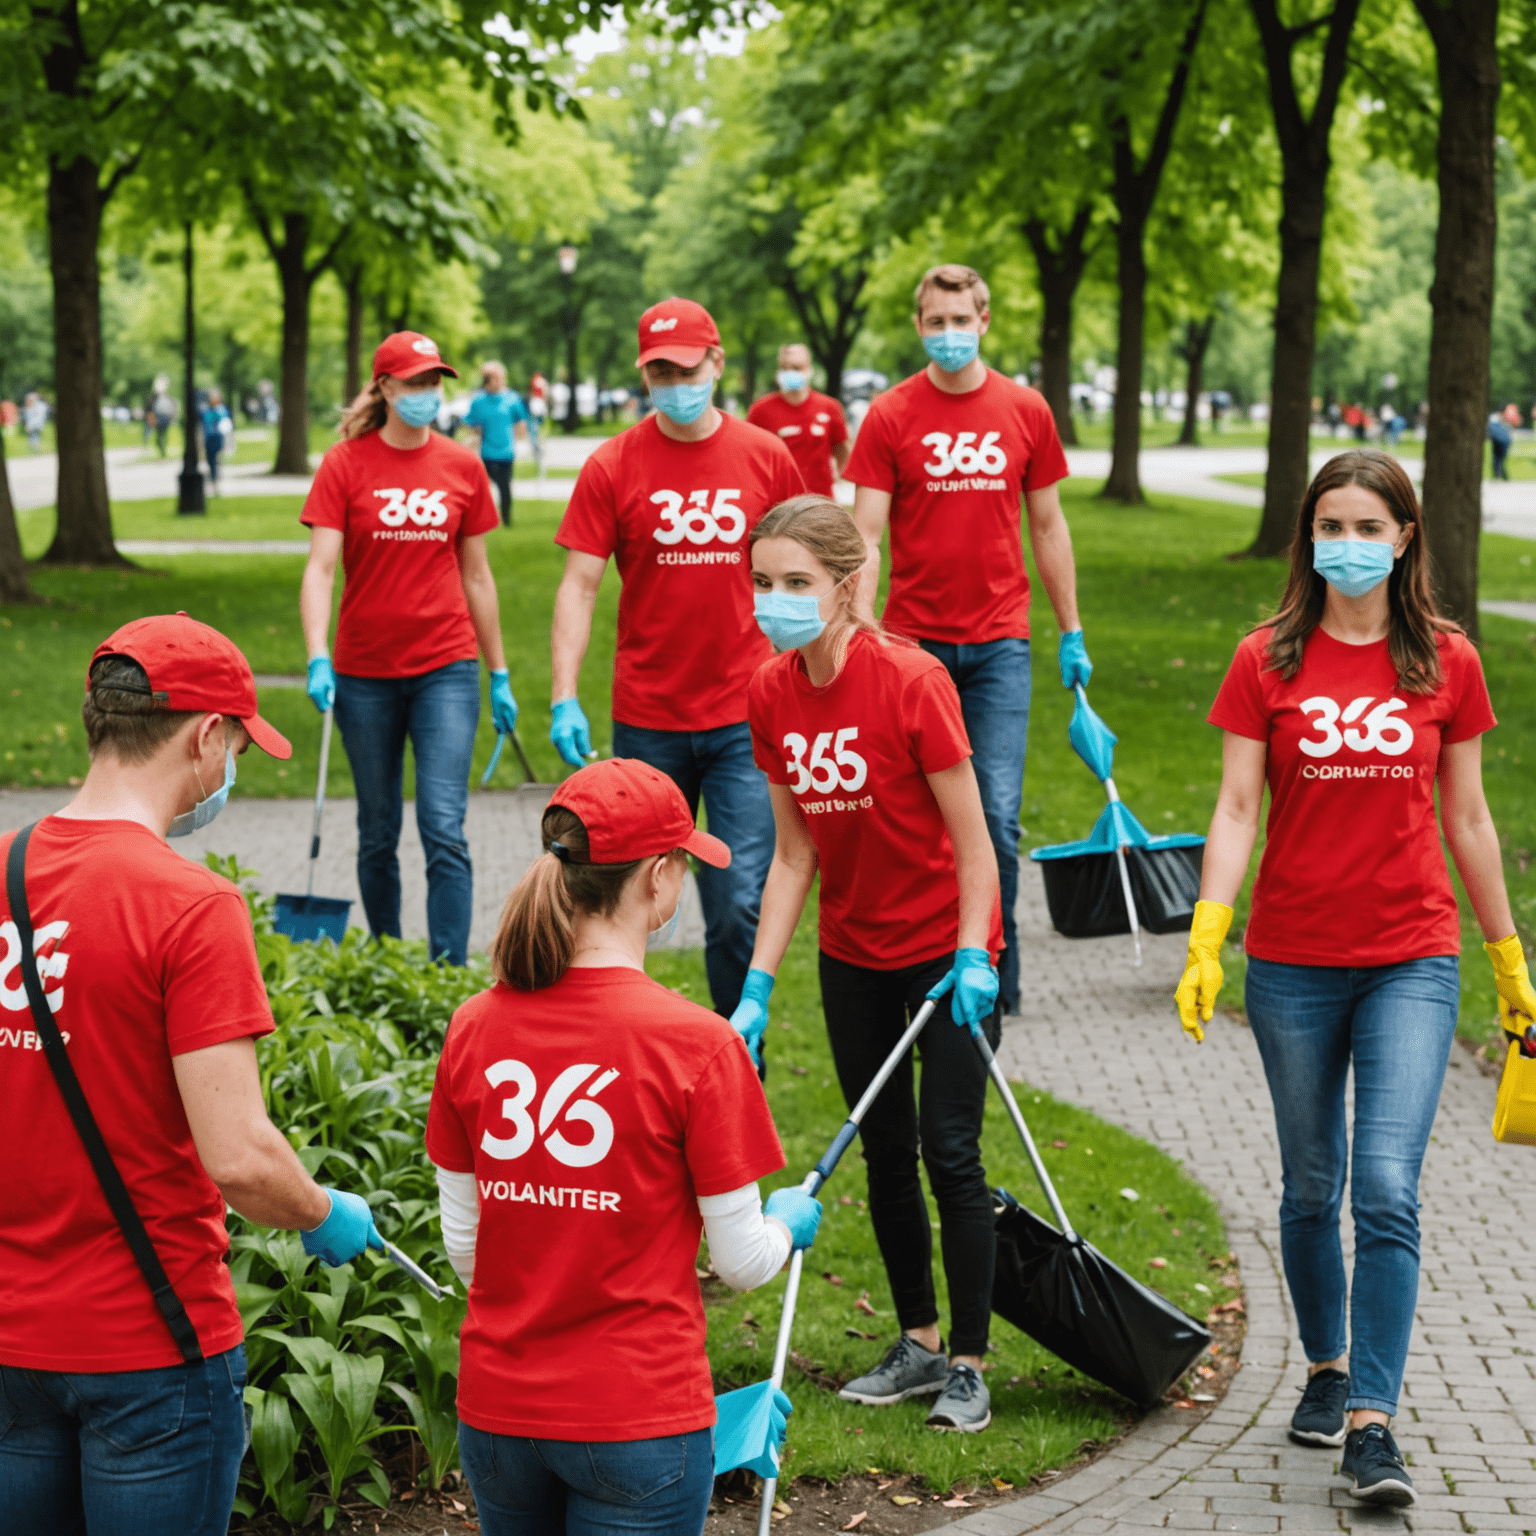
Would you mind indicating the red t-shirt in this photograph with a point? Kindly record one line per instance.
(676, 517)
(855, 755)
(404, 513)
(957, 467)
(593, 1115)
(144, 956)
(1353, 873)
(810, 430)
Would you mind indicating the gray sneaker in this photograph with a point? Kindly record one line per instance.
(964, 1404)
(908, 1370)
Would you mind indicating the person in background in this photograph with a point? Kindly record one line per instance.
(1500, 437)
(406, 511)
(810, 424)
(1358, 705)
(165, 411)
(109, 1422)
(1511, 414)
(34, 417)
(218, 434)
(585, 1399)
(944, 460)
(672, 500)
(497, 413)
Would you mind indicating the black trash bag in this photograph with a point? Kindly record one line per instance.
(1087, 902)
(1067, 1296)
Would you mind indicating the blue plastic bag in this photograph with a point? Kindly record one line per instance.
(1091, 739)
(750, 1429)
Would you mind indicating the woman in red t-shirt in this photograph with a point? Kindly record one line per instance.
(406, 511)
(586, 1123)
(1355, 703)
(869, 768)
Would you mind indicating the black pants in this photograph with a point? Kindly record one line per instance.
(500, 471)
(867, 1012)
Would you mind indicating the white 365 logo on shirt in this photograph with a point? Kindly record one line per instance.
(13, 993)
(1379, 731)
(424, 508)
(582, 1154)
(963, 455)
(701, 522)
(844, 769)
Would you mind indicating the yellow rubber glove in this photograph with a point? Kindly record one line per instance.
(1517, 999)
(1196, 995)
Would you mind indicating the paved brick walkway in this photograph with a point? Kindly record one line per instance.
(1467, 1418)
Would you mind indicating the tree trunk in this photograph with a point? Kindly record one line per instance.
(296, 279)
(1060, 271)
(84, 532)
(1466, 45)
(1197, 337)
(14, 587)
(1124, 482)
(353, 386)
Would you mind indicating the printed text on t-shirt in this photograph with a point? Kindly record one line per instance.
(963, 455)
(701, 523)
(424, 508)
(844, 769)
(572, 1154)
(13, 992)
(1380, 730)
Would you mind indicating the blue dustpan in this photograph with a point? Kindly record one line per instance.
(310, 916)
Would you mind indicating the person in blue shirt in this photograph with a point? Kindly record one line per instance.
(496, 413)
(218, 434)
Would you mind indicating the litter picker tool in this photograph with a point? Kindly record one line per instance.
(522, 757)
(1061, 1291)
(310, 916)
(811, 1183)
(1118, 879)
(416, 1272)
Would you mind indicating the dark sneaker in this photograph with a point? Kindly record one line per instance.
(1320, 1418)
(1372, 1460)
(964, 1404)
(908, 1370)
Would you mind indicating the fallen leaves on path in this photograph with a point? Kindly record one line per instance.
(857, 1520)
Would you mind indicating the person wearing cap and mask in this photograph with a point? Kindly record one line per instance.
(586, 1124)
(672, 500)
(810, 424)
(118, 1413)
(406, 511)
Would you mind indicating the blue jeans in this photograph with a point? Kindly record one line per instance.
(719, 765)
(1396, 1023)
(589, 1487)
(122, 1453)
(439, 711)
(993, 682)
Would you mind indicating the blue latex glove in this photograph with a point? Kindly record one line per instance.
(974, 983)
(750, 1429)
(321, 686)
(503, 705)
(569, 731)
(344, 1233)
(751, 1016)
(1072, 655)
(800, 1212)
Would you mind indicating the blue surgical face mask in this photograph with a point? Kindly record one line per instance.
(659, 938)
(209, 806)
(791, 379)
(682, 403)
(952, 350)
(1352, 567)
(419, 408)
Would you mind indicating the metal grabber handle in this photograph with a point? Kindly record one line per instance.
(314, 831)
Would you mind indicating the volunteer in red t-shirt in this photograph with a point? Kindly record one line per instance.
(861, 737)
(1355, 703)
(586, 1124)
(148, 969)
(810, 424)
(944, 459)
(672, 500)
(406, 510)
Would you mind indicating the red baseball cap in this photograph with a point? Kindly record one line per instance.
(408, 353)
(193, 667)
(677, 330)
(631, 811)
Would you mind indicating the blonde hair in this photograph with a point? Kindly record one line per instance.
(951, 277)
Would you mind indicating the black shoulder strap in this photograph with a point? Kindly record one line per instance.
(111, 1180)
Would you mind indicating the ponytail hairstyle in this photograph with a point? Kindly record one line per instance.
(1414, 624)
(366, 414)
(536, 940)
(826, 530)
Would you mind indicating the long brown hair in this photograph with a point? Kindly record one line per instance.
(536, 940)
(1415, 623)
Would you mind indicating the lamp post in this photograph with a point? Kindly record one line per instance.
(190, 499)
(566, 256)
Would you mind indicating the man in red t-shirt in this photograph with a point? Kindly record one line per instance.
(148, 968)
(672, 500)
(811, 424)
(943, 460)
